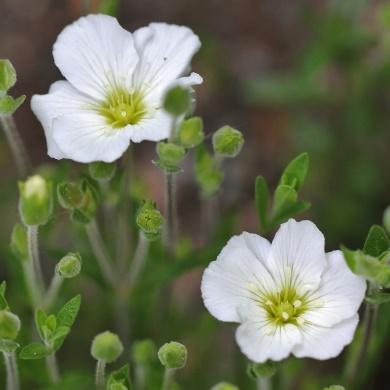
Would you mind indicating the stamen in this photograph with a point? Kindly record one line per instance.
(285, 316)
(297, 303)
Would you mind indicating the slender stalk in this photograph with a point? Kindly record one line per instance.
(53, 290)
(52, 368)
(12, 371)
(138, 260)
(169, 374)
(171, 212)
(100, 251)
(33, 252)
(100, 374)
(29, 276)
(16, 144)
(264, 384)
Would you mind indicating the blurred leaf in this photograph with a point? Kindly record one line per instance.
(121, 376)
(35, 351)
(296, 171)
(261, 201)
(109, 7)
(40, 321)
(376, 242)
(284, 197)
(378, 298)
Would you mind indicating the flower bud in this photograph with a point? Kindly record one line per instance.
(19, 241)
(144, 351)
(102, 171)
(262, 370)
(173, 355)
(87, 209)
(227, 142)
(149, 220)
(8, 105)
(106, 346)
(177, 100)
(35, 204)
(386, 219)
(7, 75)
(9, 325)
(69, 195)
(190, 133)
(224, 386)
(69, 266)
(170, 156)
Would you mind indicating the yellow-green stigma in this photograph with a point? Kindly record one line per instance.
(122, 108)
(284, 307)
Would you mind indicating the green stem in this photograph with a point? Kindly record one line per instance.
(12, 371)
(169, 375)
(16, 144)
(52, 368)
(138, 260)
(171, 212)
(33, 252)
(53, 290)
(31, 284)
(264, 384)
(100, 374)
(100, 251)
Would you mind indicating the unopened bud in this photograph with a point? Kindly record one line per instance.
(177, 100)
(7, 75)
(102, 171)
(69, 266)
(69, 195)
(224, 386)
(173, 355)
(106, 346)
(144, 351)
(227, 142)
(170, 155)
(149, 220)
(35, 204)
(190, 133)
(9, 325)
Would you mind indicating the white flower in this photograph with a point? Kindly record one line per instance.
(290, 297)
(115, 85)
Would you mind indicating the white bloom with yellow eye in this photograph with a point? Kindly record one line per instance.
(115, 83)
(290, 297)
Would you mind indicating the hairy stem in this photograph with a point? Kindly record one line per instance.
(33, 252)
(16, 144)
(171, 212)
(100, 373)
(138, 259)
(100, 251)
(169, 374)
(11, 370)
(52, 368)
(264, 384)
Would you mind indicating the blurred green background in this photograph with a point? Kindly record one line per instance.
(293, 76)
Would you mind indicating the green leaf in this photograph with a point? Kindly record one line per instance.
(284, 197)
(3, 288)
(60, 333)
(295, 173)
(8, 346)
(289, 211)
(8, 105)
(51, 322)
(378, 298)
(35, 351)
(376, 242)
(261, 201)
(67, 315)
(121, 376)
(40, 321)
(3, 301)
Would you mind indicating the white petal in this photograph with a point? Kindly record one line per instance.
(323, 342)
(261, 341)
(165, 53)
(298, 255)
(95, 53)
(85, 137)
(235, 277)
(339, 295)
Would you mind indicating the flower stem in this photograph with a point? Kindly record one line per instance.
(16, 144)
(12, 371)
(171, 212)
(138, 259)
(264, 384)
(53, 290)
(168, 378)
(33, 252)
(100, 374)
(100, 251)
(52, 368)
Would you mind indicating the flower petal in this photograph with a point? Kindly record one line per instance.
(326, 342)
(165, 53)
(261, 341)
(232, 280)
(298, 252)
(339, 295)
(95, 53)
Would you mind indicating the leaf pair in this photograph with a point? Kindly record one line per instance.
(285, 203)
(52, 330)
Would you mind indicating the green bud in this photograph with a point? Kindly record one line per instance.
(149, 220)
(227, 142)
(386, 219)
(102, 171)
(35, 204)
(177, 101)
(69, 195)
(69, 266)
(170, 155)
(173, 355)
(87, 209)
(144, 351)
(262, 370)
(9, 325)
(190, 133)
(8, 105)
(7, 75)
(224, 386)
(106, 346)
(19, 241)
